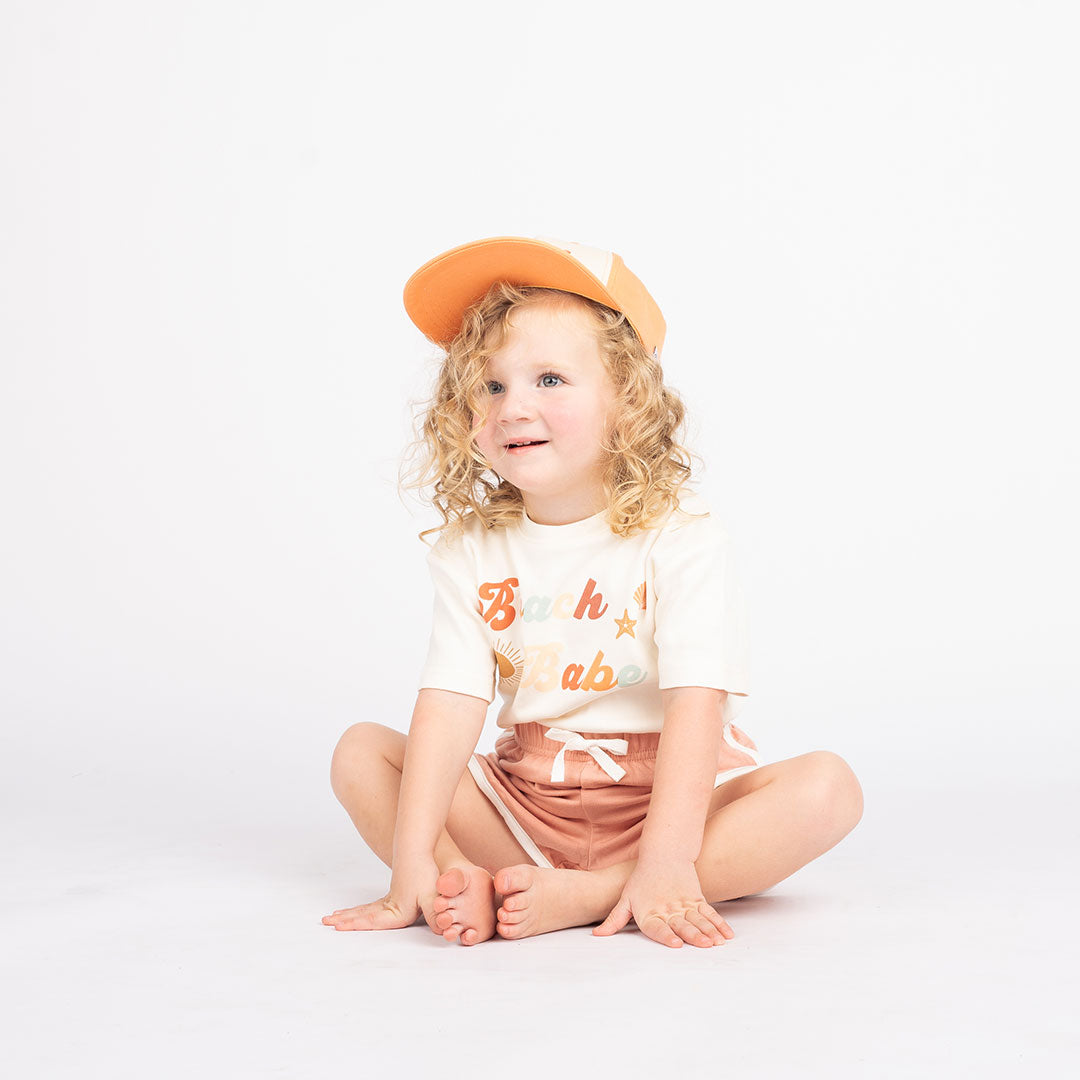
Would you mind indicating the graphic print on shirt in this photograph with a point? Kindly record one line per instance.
(509, 662)
(542, 667)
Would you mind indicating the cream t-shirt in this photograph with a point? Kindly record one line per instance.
(581, 629)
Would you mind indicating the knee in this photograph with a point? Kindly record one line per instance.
(834, 791)
(355, 747)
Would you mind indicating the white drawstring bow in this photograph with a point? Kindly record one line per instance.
(573, 740)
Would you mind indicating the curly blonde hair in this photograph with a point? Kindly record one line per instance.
(646, 465)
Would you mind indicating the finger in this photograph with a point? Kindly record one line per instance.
(359, 922)
(705, 927)
(345, 915)
(619, 917)
(687, 931)
(656, 927)
(717, 920)
(379, 919)
(361, 909)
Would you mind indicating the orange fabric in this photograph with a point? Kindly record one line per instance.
(586, 821)
(437, 295)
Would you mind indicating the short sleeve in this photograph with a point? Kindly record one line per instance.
(460, 657)
(702, 627)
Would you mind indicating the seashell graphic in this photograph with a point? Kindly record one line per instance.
(639, 596)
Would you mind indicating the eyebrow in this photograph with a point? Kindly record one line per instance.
(534, 365)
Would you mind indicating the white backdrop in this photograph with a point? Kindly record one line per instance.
(859, 219)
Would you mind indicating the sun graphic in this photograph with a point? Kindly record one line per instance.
(509, 662)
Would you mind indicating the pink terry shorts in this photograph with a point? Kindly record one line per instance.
(578, 801)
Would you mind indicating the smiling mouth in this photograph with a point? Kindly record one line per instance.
(522, 445)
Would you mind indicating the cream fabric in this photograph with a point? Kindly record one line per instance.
(597, 261)
(580, 629)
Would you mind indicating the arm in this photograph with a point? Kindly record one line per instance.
(685, 772)
(444, 730)
(663, 893)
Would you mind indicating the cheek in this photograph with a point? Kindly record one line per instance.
(476, 421)
(567, 419)
(581, 427)
(483, 433)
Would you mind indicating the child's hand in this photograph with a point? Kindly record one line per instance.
(412, 890)
(666, 902)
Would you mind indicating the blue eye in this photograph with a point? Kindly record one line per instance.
(494, 387)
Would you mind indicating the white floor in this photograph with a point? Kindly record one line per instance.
(939, 938)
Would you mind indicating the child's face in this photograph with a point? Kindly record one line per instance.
(548, 384)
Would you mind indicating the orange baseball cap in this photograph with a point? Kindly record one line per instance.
(439, 293)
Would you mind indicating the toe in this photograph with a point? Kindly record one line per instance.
(452, 882)
(444, 920)
(514, 879)
(510, 917)
(451, 932)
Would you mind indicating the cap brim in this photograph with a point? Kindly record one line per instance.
(439, 293)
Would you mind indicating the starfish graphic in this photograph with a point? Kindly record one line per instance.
(626, 625)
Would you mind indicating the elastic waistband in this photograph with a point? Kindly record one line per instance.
(534, 737)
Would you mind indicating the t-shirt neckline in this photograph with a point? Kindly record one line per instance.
(565, 535)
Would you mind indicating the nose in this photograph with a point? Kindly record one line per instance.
(514, 405)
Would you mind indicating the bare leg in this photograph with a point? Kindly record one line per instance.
(366, 777)
(762, 827)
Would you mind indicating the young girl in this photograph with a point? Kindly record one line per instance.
(578, 575)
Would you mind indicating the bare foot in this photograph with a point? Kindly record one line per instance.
(537, 900)
(465, 905)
